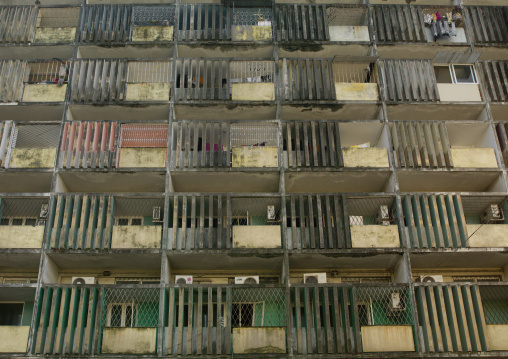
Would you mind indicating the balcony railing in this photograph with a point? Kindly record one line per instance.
(17, 24)
(330, 319)
(495, 79)
(489, 24)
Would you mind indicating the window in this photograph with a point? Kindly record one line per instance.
(494, 278)
(137, 281)
(11, 313)
(6, 221)
(121, 315)
(455, 74)
(138, 221)
(243, 315)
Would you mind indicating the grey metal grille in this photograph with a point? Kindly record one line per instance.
(256, 211)
(258, 307)
(384, 305)
(36, 136)
(495, 304)
(252, 16)
(364, 210)
(254, 135)
(153, 15)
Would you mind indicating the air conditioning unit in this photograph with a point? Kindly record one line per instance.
(270, 212)
(156, 214)
(383, 215)
(493, 214)
(314, 278)
(44, 211)
(253, 279)
(431, 278)
(396, 302)
(83, 280)
(183, 279)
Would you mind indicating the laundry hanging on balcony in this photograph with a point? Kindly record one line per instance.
(442, 26)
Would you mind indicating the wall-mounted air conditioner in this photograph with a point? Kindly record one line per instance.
(383, 215)
(253, 279)
(156, 214)
(314, 278)
(83, 280)
(270, 212)
(431, 278)
(493, 214)
(183, 279)
(396, 302)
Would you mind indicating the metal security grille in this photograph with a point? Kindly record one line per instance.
(409, 80)
(35, 136)
(435, 221)
(258, 307)
(495, 303)
(17, 24)
(315, 221)
(252, 16)
(126, 307)
(252, 71)
(366, 210)
(355, 72)
(12, 74)
(254, 135)
(153, 15)
(249, 211)
(23, 211)
(89, 145)
(451, 318)
(58, 17)
(49, 72)
(384, 305)
(421, 144)
(134, 135)
(105, 23)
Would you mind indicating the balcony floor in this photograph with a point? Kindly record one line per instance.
(330, 110)
(225, 110)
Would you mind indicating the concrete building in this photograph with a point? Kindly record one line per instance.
(253, 178)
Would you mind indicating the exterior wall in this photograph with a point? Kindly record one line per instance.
(489, 235)
(255, 157)
(497, 334)
(387, 338)
(21, 236)
(365, 157)
(142, 157)
(349, 33)
(375, 236)
(147, 92)
(459, 92)
(253, 91)
(152, 33)
(259, 340)
(251, 33)
(129, 340)
(44, 93)
(256, 237)
(136, 237)
(14, 339)
(356, 92)
(474, 157)
(55, 35)
(32, 158)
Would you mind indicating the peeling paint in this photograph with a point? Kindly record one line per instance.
(366, 157)
(136, 237)
(142, 157)
(129, 340)
(147, 92)
(257, 236)
(44, 93)
(32, 158)
(152, 33)
(375, 236)
(21, 237)
(254, 157)
(13, 339)
(356, 92)
(253, 91)
(55, 35)
(251, 33)
(262, 340)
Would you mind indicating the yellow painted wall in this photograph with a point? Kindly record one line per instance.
(365, 157)
(375, 236)
(129, 340)
(147, 92)
(251, 33)
(32, 158)
(264, 91)
(54, 35)
(152, 33)
(44, 93)
(261, 340)
(356, 92)
(21, 236)
(255, 157)
(387, 338)
(142, 157)
(136, 237)
(474, 157)
(488, 235)
(256, 237)
(459, 92)
(13, 339)
(497, 335)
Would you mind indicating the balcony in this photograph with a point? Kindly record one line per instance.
(120, 154)
(494, 77)
(225, 156)
(462, 317)
(96, 320)
(490, 32)
(136, 26)
(342, 88)
(16, 306)
(226, 88)
(415, 88)
(445, 153)
(322, 30)
(425, 30)
(330, 319)
(336, 157)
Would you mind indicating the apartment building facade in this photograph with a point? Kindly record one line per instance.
(253, 178)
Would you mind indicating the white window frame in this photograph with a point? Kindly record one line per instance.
(453, 76)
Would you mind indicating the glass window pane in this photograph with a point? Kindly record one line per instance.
(464, 74)
(11, 313)
(443, 75)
